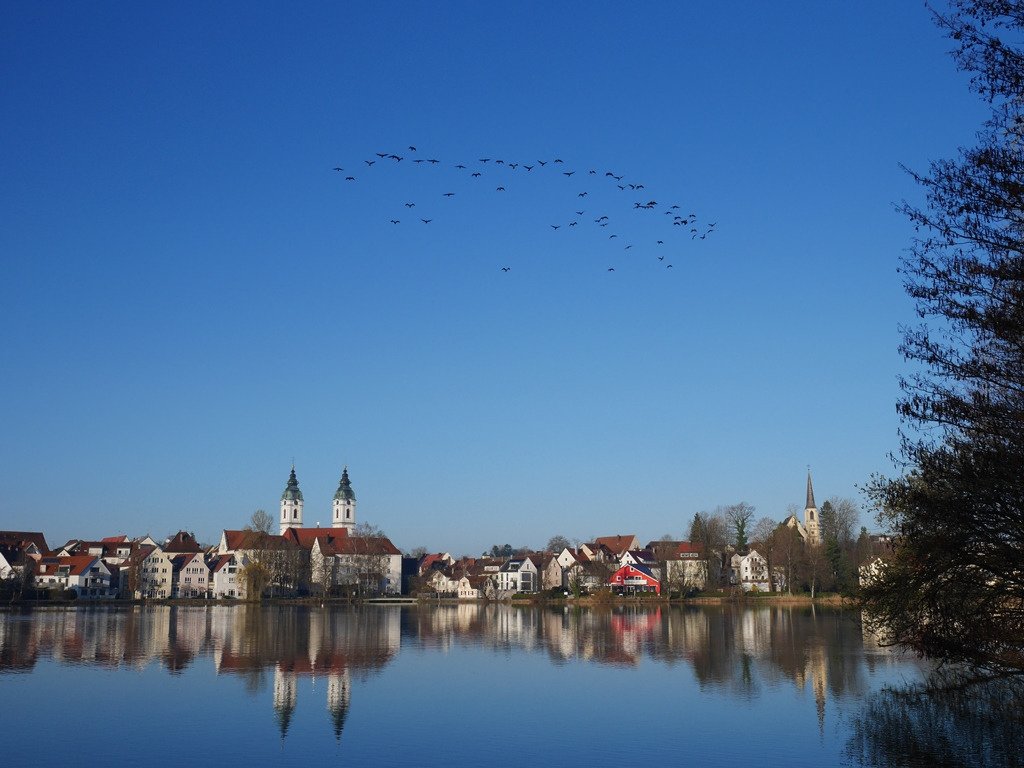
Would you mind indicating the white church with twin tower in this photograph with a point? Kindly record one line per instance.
(343, 510)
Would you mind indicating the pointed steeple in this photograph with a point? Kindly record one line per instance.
(811, 522)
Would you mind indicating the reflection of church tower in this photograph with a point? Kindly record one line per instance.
(819, 680)
(811, 523)
(285, 695)
(339, 695)
(344, 504)
(291, 504)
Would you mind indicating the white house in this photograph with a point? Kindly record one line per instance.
(518, 575)
(687, 569)
(224, 581)
(86, 575)
(155, 573)
(750, 571)
(189, 575)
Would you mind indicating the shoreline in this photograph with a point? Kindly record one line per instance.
(838, 601)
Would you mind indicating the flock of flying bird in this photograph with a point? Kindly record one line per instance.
(687, 224)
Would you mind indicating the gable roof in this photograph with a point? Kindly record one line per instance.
(244, 539)
(222, 560)
(304, 537)
(365, 545)
(21, 538)
(618, 544)
(183, 541)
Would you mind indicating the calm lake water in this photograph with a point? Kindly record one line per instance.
(464, 684)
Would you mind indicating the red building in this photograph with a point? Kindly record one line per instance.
(634, 578)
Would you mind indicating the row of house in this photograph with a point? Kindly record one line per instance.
(615, 562)
(300, 560)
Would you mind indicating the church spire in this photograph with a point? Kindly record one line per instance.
(811, 522)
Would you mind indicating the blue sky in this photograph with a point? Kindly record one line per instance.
(192, 297)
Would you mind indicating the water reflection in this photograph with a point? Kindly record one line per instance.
(739, 654)
(946, 721)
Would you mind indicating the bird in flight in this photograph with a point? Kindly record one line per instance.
(506, 269)
(369, 162)
(410, 205)
(433, 161)
(412, 149)
(628, 247)
(476, 174)
(611, 236)
(542, 163)
(568, 173)
(485, 159)
(557, 160)
(338, 168)
(449, 194)
(350, 178)
(580, 213)
(426, 221)
(528, 167)
(461, 167)
(611, 269)
(555, 226)
(582, 194)
(395, 221)
(500, 189)
(668, 266)
(661, 242)
(572, 223)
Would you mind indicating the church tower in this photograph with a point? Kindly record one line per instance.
(344, 513)
(811, 523)
(291, 504)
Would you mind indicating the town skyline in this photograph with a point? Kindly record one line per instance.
(194, 297)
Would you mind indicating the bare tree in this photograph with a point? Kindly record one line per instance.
(764, 539)
(261, 522)
(841, 520)
(558, 543)
(788, 549)
(739, 517)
